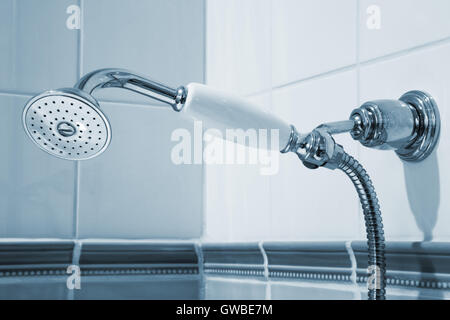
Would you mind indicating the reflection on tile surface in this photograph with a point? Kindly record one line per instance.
(137, 253)
(234, 290)
(45, 288)
(305, 292)
(421, 22)
(238, 45)
(138, 287)
(412, 195)
(37, 51)
(134, 189)
(310, 204)
(160, 39)
(311, 37)
(36, 189)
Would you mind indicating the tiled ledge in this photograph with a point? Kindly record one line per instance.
(314, 261)
(410, 265)
(138, 258)
(233, 259)
(35, 258)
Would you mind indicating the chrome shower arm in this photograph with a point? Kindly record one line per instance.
(338, 126)
(120, 78)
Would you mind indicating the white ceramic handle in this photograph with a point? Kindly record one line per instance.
(222, 111)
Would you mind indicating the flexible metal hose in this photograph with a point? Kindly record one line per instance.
(374, 225)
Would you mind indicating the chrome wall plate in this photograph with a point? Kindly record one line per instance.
(428, 124)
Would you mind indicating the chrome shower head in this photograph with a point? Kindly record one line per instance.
(67, 123)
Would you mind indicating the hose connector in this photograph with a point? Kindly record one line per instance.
(318, 148)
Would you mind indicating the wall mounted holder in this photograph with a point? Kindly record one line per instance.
(410, 126)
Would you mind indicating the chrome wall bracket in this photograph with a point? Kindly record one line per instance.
(429, 126)
(410, 125)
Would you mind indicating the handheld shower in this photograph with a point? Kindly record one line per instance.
(68, 123)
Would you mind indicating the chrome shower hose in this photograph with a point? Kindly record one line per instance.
(374, 225)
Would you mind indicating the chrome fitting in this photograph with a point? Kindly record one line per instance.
(180, 99)
(410, 125)
(316, 149)
(120, 78)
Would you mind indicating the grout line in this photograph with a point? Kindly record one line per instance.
(106, 240)
(204, 175)
(350, 67)
(76, 262)
(204, 219)
(80, 61)
(25, 240)
(15, 17)
(310, 78)
(76, 200)
(354, 266)
(268, 293)
(407, 51)
(235, 280)
(154, 105)
(266, 260)
(16, 93)
(271, 108)
(205, 39)
(200, 262)
(358, 100)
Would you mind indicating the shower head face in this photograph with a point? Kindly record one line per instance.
(68, 124)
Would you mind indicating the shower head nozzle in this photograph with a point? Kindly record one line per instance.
(67, 123)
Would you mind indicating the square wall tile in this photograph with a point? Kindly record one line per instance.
(160, 39)
(134, 189)
(238, 195)
(310, 204)
(412, 195)
(238, 45)
(388, 26)
(37, 50)
(311, 37)
(36, 189)
(222, 289)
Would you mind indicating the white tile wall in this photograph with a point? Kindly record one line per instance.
(302, 59)
(161, 39)
(238, 39)
(310, 291)
(412, 195)
(219, 289)
(36, 189)
(310, 204)
(238, 202)
(37, 51)
(403, 24)
(132, 190)
(325, 61)
(311, 37)
(237, 196)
